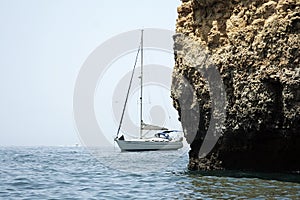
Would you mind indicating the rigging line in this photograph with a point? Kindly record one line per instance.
(127, 95)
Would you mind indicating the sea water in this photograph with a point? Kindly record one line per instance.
(79, 173)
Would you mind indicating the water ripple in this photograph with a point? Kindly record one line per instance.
(72, 173)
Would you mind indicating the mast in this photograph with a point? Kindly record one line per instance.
(141, 97)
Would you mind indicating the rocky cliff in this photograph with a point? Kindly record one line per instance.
(254, 45)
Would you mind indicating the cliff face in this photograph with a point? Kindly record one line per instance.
(255, 47)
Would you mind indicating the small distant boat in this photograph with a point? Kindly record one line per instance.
(162, 140)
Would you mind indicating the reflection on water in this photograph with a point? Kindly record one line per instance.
(285, 177)
(236, 184)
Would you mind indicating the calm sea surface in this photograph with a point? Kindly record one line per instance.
(75, 173)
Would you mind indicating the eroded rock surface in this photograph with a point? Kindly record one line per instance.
(255, 47)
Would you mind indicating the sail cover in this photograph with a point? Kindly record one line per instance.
(152, 127)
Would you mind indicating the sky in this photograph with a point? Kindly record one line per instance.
(43, 44)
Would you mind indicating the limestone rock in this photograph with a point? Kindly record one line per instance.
(255, 47)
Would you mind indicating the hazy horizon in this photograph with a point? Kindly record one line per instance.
(43, 46)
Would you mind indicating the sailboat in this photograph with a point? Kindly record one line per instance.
(162, 140)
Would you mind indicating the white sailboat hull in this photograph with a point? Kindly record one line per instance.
(148, 145)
